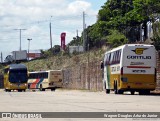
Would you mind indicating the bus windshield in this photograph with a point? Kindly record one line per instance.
(18, 76)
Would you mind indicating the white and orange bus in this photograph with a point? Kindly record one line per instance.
(42, 80)
(131, 67)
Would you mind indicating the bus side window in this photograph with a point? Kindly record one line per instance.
(107, 59)
(114, 57)
(119, 56)
(111, 58)
(6, 71)
(116, 60)
(36, 76)
(46, 75)
(102, 64)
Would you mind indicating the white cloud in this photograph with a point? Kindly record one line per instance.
(25, 14)
(78, 6)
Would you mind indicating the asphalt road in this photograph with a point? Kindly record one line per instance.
(77, 101)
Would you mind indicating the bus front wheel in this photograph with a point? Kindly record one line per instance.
(107, 90)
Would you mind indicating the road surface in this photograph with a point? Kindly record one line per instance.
(77, 101)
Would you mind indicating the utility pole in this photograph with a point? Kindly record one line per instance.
(84, 27)
(1, 57)
(20, 36)
(77, 34)
(77, 38)
(50, 26)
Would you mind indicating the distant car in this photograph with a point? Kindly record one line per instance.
(9, 58)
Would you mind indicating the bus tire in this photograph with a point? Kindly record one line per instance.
(120, 92)
(147, 92)
(28, 86)
(132, 92)
(144, 92)
(6, 90)
(53, 89)
(107, 91)
(115, 87)
(141, 92)
(19, 90)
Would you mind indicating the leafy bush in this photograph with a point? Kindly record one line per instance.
(115, 38)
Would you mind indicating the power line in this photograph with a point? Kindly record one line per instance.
(45, 21)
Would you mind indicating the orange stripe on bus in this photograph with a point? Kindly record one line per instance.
(33, 85)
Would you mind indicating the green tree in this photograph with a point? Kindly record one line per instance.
(156, 35)
(115, 38)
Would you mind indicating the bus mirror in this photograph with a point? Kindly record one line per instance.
(102, 65)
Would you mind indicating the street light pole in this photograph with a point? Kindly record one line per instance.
(28, 47)
(28, 50)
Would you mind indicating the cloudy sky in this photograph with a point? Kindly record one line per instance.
(35, 15)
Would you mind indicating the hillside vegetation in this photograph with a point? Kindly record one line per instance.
(62, 61)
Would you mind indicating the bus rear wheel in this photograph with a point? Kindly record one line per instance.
(20, 90)
(53, 89)
(144, 92)
(132, 92)
(107, 91)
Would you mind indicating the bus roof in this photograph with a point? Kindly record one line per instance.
(128, 45)
(16, 66)
(43, 71)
